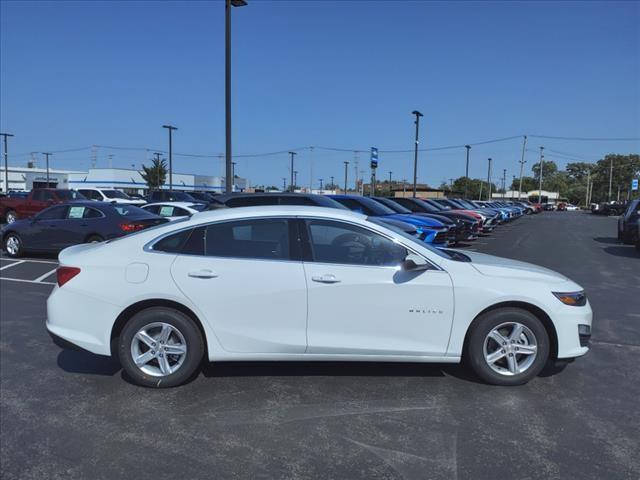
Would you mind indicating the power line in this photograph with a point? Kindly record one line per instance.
(589, 139)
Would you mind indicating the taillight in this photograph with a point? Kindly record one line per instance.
(131, 227)
(64, 274)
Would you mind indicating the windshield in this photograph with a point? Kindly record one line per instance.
(411, 238)
(116, 194)
(69, 195)
(396, 207)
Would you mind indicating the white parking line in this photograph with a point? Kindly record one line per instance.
(31, 260)
(42, 277)
(26, 281)
(12, 264)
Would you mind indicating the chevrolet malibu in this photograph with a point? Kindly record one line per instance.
(308, 283)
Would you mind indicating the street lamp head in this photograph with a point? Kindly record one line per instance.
(292, 153)
(467, 147)
(238, 3)
(170, 127)
(417, 113)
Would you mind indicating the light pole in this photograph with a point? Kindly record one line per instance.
(157, 154)
(227, 90)
(46, 155)
(291, 186)
(171, 128)
(6, 161)
(295, 178)
(504, 182)
(390, 190)
(489, 180)
(346, 169)
(541, 167)
(284, 184)
(320, 183)
(466, 172)
(610, 176)
(332, 187)
(522, 162)
(415, 152)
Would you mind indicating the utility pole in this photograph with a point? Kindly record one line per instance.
(415, 154)
(332, 182)
(522, 162)
(284, 184)
(390, 190)
(291, 186)
(171, 128)
(451, 184)
(480, 194)
(541, 170)
(586, 199)
(46, 155)
(489, 179)
(610, 176)
(295, 178)
(466, 172)
(233, 174)
(6, 161)
(346, 170)
(227, 94)
(355, 167)
(404, 187)
(321, 179)
(504, 182)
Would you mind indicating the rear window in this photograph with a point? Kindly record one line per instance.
(131, 211)
(116, 194)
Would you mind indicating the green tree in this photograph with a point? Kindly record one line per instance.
(156, 174)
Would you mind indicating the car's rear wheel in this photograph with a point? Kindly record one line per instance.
(11, 216)
(160, 347)
(508, 346)
(94, 239)
(13, 245)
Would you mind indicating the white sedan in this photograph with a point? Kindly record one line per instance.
(308, 283)
(174, 210)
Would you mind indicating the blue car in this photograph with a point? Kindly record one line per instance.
(63, 225)
(435, 231)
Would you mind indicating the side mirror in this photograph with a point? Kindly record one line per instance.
(414, 263)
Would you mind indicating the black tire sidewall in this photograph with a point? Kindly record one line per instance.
(20, 245)
(186, 326)
(481, 328)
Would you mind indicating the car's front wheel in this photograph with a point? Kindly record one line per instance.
(160, 347)
(11, 216)
(508, 346)
(13, 245)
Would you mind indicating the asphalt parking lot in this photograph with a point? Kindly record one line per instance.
(72, 415)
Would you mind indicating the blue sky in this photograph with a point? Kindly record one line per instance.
(343, 74)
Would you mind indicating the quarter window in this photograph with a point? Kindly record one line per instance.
(260, 238)
(337, 242)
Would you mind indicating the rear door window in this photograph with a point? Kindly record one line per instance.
(256, 238)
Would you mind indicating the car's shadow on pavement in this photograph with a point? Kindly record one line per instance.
(628, 251)
(83, 362)
(609, 240)
(336, 369)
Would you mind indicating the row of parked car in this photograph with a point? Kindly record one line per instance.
(48, 220)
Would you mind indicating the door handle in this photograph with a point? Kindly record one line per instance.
(204, 273)
(325, 279)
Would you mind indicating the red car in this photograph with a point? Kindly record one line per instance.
(14, 208)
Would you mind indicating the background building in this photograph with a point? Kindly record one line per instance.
(24, 178)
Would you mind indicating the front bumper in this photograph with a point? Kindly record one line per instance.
(573, 328)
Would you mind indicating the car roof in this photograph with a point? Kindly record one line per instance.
(276, 210)
(226, 196)
(173, 204)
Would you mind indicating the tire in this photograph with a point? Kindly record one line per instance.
(13, 245)
(94, 239)
(11, 216)
(534, 338)
(154, 321)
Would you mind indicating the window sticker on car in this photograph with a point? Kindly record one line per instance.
(76, 212)
(166, 211)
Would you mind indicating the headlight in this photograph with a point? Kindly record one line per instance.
(575, 299)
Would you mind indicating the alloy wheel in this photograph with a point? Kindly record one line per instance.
(510, 348)
(158, 349)
(11, 217)
(13, 245)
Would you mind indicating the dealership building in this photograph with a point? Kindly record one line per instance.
(127, 180)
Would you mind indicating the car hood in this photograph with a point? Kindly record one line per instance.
(492, 266)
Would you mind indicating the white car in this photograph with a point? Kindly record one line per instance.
(308, 283)
(571, 208)
(109, 195)
(174, 210)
